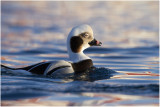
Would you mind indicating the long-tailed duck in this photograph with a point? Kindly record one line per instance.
(80, 38)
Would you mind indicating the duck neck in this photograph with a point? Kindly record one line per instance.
(76, 57)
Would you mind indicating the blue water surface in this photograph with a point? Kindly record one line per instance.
(37, 31)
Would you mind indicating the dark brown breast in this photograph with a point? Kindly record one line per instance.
(82, 66)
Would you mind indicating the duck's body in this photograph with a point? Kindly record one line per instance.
(80, 38)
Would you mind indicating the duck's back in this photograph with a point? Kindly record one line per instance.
(45, 68)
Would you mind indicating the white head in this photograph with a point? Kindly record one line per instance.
(80, 38)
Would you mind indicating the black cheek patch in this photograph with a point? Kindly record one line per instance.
(76, 43)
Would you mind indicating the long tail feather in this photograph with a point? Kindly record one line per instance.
(3, 66)
(17, 71)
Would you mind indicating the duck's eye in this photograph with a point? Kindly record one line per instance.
(86, 35)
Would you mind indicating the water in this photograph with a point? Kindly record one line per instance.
(36, 31)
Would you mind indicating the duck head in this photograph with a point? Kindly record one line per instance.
(80, 38)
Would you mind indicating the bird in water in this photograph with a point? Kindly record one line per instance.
(80, 38)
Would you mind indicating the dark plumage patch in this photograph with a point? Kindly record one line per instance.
(82, 66)
(39, 69)
(31, 66)
(76, 43)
